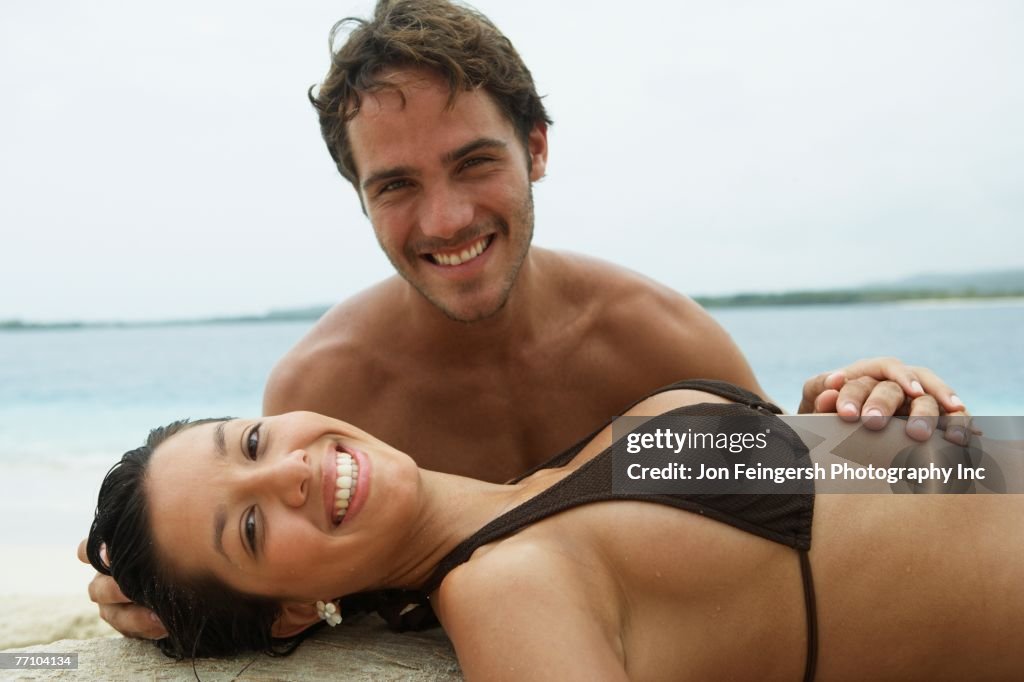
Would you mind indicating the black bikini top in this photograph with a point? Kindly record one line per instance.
(782, 518)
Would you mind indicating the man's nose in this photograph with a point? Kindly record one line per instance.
(445, 211)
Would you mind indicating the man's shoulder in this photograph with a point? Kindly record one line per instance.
(343, 345)
(624, 298)
(630, 318)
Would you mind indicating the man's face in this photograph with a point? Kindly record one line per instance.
(447, 190)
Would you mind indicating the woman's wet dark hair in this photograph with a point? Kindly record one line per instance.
(202, 616)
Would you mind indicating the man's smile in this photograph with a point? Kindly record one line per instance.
(464, 254)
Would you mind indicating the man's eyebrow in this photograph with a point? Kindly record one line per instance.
(219, 441)
(470, 147)
(387, 174)
(220, 519)
(454, 155)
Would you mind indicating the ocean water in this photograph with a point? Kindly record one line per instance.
(72, 401)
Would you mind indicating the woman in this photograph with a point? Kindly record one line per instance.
(232, 531)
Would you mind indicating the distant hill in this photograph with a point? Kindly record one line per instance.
(988, 284)
(980, 283)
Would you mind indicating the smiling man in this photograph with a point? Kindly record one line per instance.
(484, 356)
(447, 189)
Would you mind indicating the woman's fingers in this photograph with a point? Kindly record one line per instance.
(948, 400)
(891, 369)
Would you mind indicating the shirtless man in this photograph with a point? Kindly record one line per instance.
(478, 357)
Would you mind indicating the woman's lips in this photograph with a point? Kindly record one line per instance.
(362, 487)
(329, 482)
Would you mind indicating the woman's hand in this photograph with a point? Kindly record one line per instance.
(128, 618)
(878, 388)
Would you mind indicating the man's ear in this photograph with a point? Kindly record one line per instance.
(295, 617)
(537, 149)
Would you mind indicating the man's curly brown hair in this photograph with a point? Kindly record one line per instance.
(456, 42)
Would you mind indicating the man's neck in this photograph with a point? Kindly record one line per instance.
(511, 329)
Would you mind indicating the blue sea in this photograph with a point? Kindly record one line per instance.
(72, 400)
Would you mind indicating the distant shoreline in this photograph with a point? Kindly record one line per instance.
(743, 300)
(857, 297)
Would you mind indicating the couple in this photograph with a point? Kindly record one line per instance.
(441, 133)
(243, 534)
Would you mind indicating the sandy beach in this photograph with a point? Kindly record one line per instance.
(43, 592)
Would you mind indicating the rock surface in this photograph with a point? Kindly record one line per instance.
(360, 650)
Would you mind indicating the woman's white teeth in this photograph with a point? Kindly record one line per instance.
(467, 254)
(348, 475)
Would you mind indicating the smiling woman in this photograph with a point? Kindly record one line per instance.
(239, 511)
(245, 534)
(272, 505)
(207, 619)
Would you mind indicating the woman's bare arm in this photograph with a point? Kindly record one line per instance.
(522, 613)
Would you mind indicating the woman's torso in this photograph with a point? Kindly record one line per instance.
(906, 587)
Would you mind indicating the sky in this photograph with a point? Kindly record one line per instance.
(162, 161)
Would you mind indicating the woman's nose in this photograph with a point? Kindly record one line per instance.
(289, 477)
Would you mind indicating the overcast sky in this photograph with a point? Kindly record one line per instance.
(161, 160)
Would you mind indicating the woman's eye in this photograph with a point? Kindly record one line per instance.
(250, 529)
(252, 442)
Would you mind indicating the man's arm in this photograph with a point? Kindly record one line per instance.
(128, 618)
(874, 389)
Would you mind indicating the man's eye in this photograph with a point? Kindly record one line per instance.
(476, 161)
(252, 442)
(392, 186)
(250, 529)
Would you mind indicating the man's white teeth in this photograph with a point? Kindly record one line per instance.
(348, 475)
(467, 254)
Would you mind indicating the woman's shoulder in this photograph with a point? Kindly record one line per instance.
(523, 565)
(666, 401)
(532, 597)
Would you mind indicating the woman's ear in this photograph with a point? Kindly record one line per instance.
(295, 617)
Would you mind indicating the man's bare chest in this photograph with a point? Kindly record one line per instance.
(490, 432)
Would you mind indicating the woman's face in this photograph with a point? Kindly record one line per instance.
(253, 503)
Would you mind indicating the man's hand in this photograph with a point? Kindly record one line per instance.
(126, 617)
(879, 388)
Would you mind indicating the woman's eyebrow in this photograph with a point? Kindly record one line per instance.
(220, 519)
(219, 441)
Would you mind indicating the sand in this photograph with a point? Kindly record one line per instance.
(44, 595)
(47, 610)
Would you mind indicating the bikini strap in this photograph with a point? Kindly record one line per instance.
(811, 607)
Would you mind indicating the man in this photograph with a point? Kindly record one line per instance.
(484, 356)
